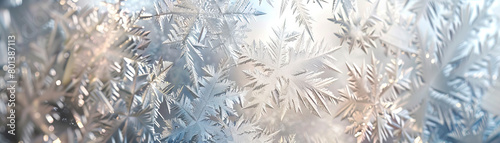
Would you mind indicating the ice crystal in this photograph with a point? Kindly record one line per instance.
(283, 73)
(358, 32)
(98, 71)
(106, 36)
(244, 130)
(445, 68)
(302, 15)
(204, 115)
(347, 6)
(93, 102)
(369, 106)
(139, 99)
(193, 25)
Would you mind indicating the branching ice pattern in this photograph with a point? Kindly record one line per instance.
(425, 71)
(194, 25)
(281, 74)
(369, 106)
(205, 115)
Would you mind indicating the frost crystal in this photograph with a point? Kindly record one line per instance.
(141, 71)
(205, 117)
(285, 74)
(356, 31)
(194, 25)
(369, 106)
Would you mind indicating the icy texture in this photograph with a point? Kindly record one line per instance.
(182, 71)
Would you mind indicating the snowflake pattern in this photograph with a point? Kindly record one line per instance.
(144, 71)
